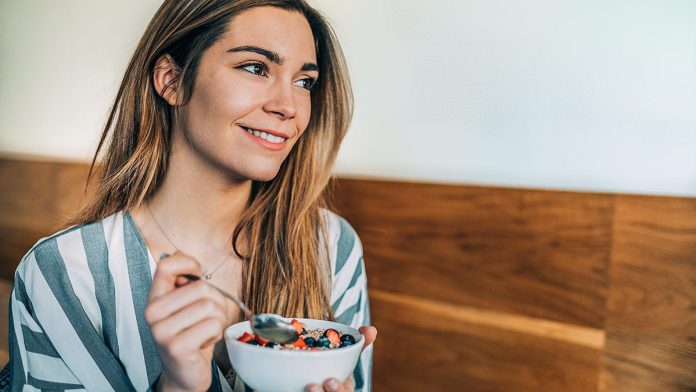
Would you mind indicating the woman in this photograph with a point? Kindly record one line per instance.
(219, 148)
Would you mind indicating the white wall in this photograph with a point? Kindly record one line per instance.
(578, 94)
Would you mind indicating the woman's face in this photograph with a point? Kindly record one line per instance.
(251, 100)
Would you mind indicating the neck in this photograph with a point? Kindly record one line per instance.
(198, 207)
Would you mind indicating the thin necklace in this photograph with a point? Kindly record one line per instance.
(206, 275)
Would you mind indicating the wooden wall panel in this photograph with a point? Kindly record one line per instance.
(5, 291)
(541, 254)
(651, 309)
(36, 198)
(481, 289)
(428, 347)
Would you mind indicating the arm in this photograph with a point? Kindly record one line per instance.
(54, 344)
(34, 360)
(349, 299)
(354, 310)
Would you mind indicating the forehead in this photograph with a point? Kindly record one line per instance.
(285, 32)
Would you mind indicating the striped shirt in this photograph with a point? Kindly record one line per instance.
(77, 309)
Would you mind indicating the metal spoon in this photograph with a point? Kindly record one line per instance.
(269, 326)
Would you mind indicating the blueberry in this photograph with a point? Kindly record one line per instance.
(345, 343)
(304, 331)
(271, 344)
(311, 342)
(348, 339)
(253, 342)
(323, 342)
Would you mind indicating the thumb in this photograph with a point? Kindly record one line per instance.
(370, 334)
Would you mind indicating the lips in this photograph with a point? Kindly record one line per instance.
(271, 141)
(273, 132)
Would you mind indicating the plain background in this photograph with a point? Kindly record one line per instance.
(582, 95)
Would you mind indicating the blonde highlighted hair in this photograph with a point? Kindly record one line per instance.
(286, 267)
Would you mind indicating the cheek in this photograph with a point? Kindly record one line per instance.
(224, 99)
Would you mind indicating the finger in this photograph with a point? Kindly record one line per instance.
(187, 317)
(172, 302)
(314, 388)
(168, 270)
(370, 334)
(333, 385)
(197, 337)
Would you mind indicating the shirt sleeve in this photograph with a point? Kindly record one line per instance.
(349, 296)
(53, 343)
(34, 360)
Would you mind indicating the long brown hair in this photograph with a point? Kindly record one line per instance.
(286, 268)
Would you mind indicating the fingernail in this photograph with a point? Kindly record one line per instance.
(333, 384)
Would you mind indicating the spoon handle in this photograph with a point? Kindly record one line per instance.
(236, 300)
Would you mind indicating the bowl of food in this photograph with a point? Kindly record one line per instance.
(326, 349)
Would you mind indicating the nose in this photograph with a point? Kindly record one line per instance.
(281, 102)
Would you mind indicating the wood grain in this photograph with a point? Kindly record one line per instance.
(419, 349)
(535, 253)
(569, 333)
(651, 309)
(36, 198)
(5, 291)
(479, 289)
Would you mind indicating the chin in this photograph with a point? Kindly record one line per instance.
(263, 173)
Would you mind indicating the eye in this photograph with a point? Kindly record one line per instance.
(306, 83)
(259, 69)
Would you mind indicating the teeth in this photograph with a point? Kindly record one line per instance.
(265, 136)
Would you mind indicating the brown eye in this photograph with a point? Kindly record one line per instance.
(307, 83)
(255, 68)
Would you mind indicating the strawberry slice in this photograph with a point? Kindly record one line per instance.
(300, 343)
(298, 326)
(333, 336)
(246, 337)
(261, 341)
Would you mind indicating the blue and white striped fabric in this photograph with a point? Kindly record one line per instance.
(77, 309)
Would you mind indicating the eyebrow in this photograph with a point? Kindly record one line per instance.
(271, 56)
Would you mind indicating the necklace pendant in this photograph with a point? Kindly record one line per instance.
(208, 276)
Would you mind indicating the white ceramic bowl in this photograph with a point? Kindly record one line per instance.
(268, 370)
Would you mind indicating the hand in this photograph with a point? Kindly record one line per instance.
(332, 384)
(186, 320)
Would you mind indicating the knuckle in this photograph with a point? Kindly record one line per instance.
(158, 333)
(208, 306)
(149, 315)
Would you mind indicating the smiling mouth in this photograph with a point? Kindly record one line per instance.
(265, 136)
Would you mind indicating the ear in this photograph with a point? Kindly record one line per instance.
(166, 79)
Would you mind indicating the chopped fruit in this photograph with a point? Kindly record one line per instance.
(300, 343)
(298, 326)
(316, 339)
(348, 338)
(323, 342)
(311, 342)
(246, 337)
(333, 336)
(261, 341)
